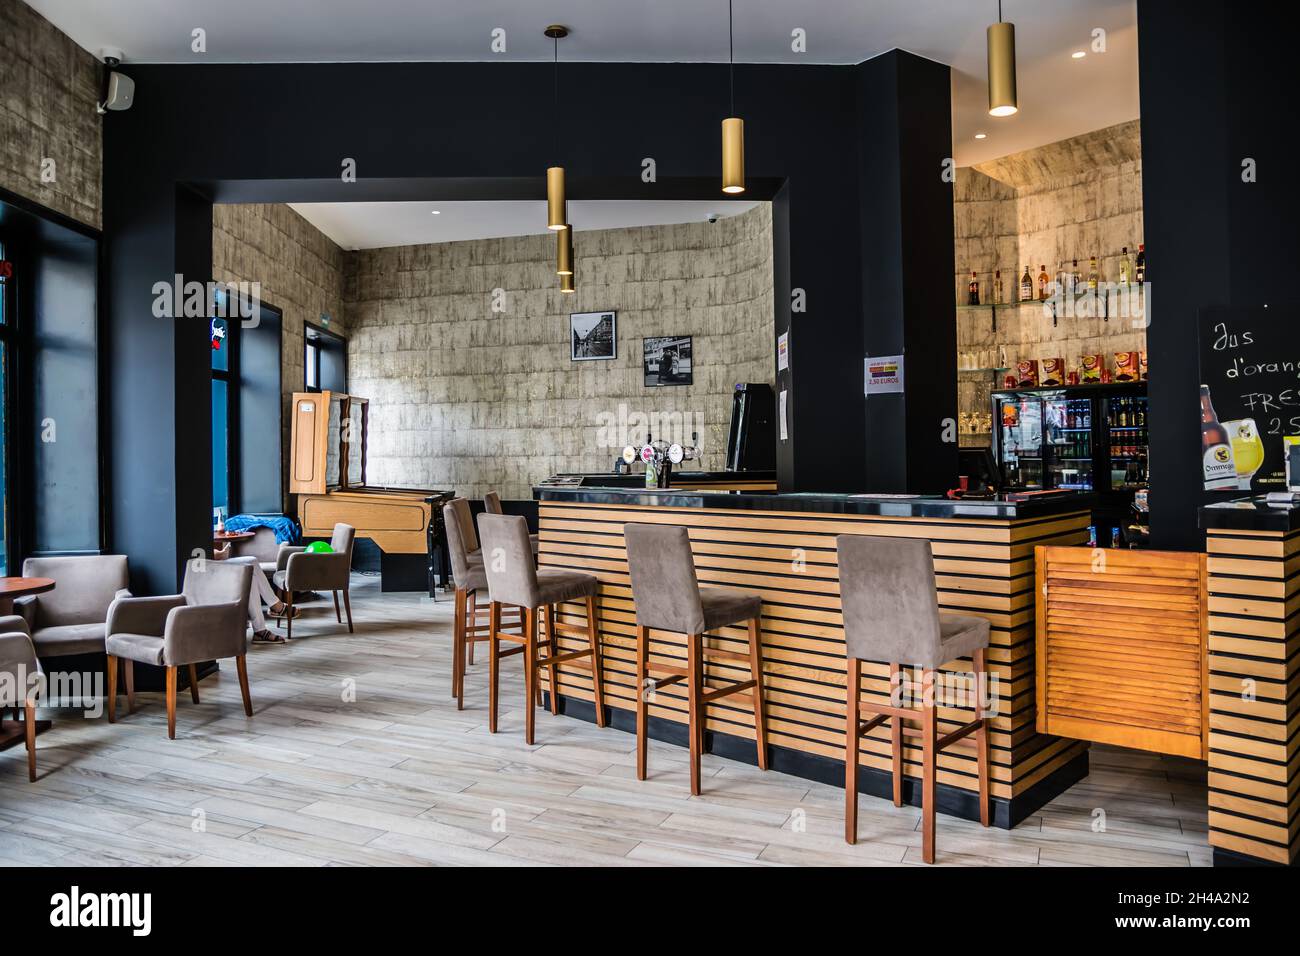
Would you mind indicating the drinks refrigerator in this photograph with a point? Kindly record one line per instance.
(1090, 438)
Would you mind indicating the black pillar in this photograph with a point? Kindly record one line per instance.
(905, 201)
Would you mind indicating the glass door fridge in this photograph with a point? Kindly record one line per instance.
(1069, 432)
(1019, 438)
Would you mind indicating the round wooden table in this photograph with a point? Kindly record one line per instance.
(11, 588)
(221, 542)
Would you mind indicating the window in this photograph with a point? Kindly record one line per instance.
(6, 277)
(324, 360)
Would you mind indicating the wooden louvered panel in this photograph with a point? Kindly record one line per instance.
(1121, 651)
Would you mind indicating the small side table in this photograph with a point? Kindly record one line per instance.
(221, 542)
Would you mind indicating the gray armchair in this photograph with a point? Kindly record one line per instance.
(18, 664)
(207, 621)
(69, 619)
(301, 571)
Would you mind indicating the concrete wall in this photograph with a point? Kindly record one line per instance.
(1050, 205)
(51, 148)
(300, 271)
(469, 398)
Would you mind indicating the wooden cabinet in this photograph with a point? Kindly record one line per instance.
(1121, 650)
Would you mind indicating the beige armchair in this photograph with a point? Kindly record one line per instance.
(207, 621)
(302, 571)
(69, 619)
(18, 667)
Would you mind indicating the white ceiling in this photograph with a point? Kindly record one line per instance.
(1059, 97)
(375, 225)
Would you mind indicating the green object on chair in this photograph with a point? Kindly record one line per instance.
(319, 547)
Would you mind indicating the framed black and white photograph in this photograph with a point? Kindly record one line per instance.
(593, 336)
(667, 360)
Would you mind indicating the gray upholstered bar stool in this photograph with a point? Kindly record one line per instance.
(891, 615)
(492, 505)
(668, 597)
(514, 579)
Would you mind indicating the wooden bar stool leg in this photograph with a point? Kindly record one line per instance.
(494, 663)
(597, 663)
(982, 736)
(553, 641)
(642, 705)
(471, 621)
(530, 673)
(929, 768)
(457, 642)
(756, 672)
(852, 710)
(896, 731)
(695, 691)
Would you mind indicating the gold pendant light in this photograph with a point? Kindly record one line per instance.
(564, 252)
(566, 283)
(557, 209)
(733, 127)
(1002, 67)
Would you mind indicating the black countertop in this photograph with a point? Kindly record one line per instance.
(1250, 514)
(636, 480)
(914, 506)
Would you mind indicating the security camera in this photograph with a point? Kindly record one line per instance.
(714, 217)
(119, 89)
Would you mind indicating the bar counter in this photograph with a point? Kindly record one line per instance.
(1254, 646)
(782, 546)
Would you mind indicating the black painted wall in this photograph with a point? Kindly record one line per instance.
(1214, 76)
(436, 131)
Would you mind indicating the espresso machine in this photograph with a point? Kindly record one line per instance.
(659, 458)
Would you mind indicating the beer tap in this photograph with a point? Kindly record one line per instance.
(659, 458)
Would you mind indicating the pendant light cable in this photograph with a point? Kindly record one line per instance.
(731, 53)
(555, 107)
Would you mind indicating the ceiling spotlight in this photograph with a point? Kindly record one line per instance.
(981, 135)
(1078, 54)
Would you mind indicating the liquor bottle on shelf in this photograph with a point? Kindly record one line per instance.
(1123, 267)
(1026, 286)
(1043, 280)
(1094, 277)
(973, 290)
(1075, 278)
(997, 287)
(1140, 269)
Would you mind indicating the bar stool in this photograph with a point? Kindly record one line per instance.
(513, 578)
(492, 505)
(891, 614)
(668, 597)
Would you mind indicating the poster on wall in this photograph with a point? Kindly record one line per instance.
(783, 351)
(1250, 396)
(666, 360)
(882, 375)
(593, 336)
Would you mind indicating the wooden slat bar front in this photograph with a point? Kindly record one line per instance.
(1254, 675)
(984, 567)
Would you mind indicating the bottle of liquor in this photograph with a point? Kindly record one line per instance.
(1220, 471)
(997, 287)
(973, 290)
(1140, 269)
(1026, 286)
(1123, 266)
(1043, 280)
(1094, 277)
(1075, 278)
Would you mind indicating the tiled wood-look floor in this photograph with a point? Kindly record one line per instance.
(357, 755)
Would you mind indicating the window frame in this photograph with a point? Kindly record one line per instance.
(311, 330)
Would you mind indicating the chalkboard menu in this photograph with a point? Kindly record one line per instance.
(1250, 366)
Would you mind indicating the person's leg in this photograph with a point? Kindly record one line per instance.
(259, 592)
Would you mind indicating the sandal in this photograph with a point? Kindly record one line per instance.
(281, 613)
(268, 637)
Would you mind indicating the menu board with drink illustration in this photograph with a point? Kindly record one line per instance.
(1250, 396)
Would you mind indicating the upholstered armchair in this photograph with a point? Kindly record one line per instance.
(262, 546)
(299, 570)
(207, 621)
(69, 619)
(19, 669)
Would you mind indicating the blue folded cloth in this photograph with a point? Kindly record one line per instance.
(285, 528)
